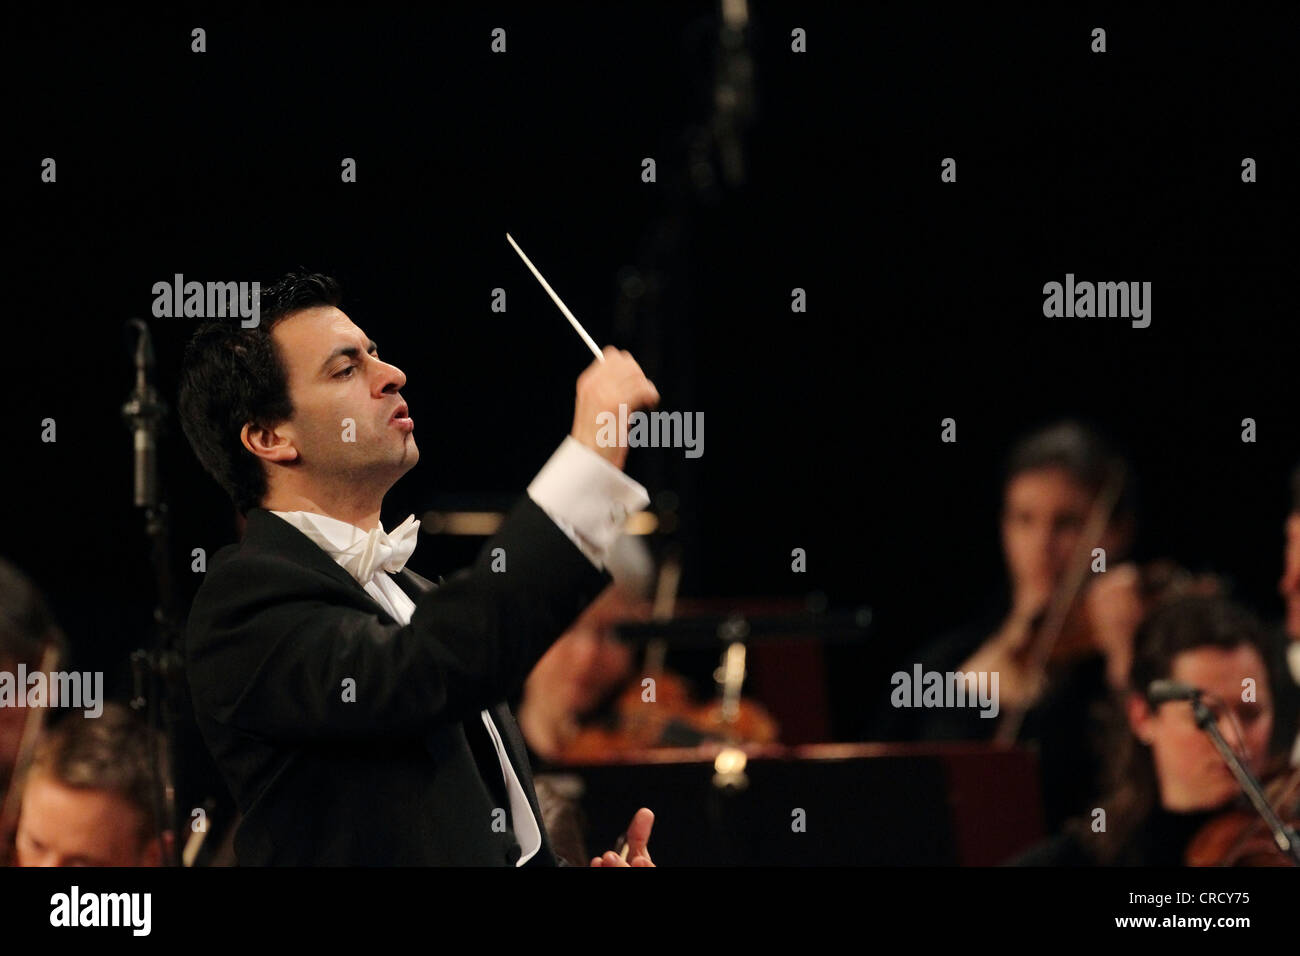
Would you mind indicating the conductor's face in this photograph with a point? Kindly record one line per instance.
(350, 423)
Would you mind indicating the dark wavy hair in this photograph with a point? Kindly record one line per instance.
(232, 376)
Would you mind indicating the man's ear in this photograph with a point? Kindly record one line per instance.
(269, 444)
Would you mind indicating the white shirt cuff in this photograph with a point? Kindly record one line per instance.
(587, 497)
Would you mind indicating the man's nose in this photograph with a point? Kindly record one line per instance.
(389, 378)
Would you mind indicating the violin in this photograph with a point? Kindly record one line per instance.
(675, 718)
(1083, 633)
(1239, 836)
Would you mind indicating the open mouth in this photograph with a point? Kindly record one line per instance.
(402, 418)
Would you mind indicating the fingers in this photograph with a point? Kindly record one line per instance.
(638, 838)
(621, 370)
(638, 833)
(632, 379)
(611, 858)
(605, 391)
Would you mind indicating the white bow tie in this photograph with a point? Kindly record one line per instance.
(381, 551)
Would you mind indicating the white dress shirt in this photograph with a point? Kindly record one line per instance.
(586, 497)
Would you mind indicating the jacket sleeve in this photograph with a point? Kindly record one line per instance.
(271, 657)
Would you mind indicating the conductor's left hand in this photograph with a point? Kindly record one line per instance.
(638, 838)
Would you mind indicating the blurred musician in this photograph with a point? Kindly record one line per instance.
(88, 798)
(587, 699)
(588, 663)
(1053, 482)
(1166, 778)
(28, 637)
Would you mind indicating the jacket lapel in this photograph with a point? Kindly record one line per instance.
(516, 749)
(412, 583)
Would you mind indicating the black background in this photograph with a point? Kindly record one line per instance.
(822, 429)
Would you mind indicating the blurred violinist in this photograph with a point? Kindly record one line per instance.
(1061, 640)
(587, 697)
(588, 662)
(1167, 780)
(1053, 482)
(1064, 493)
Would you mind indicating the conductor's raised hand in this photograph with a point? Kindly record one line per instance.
(603, 387)
(638, 839)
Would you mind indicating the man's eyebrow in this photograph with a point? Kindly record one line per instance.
(351, 351)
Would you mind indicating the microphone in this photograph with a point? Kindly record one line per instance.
(143, 413)
(1164, 690)
(1161, 691)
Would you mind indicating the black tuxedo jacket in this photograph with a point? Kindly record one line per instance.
(403, 773)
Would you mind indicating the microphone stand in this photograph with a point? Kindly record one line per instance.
(156, 671)
(1284, 836)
